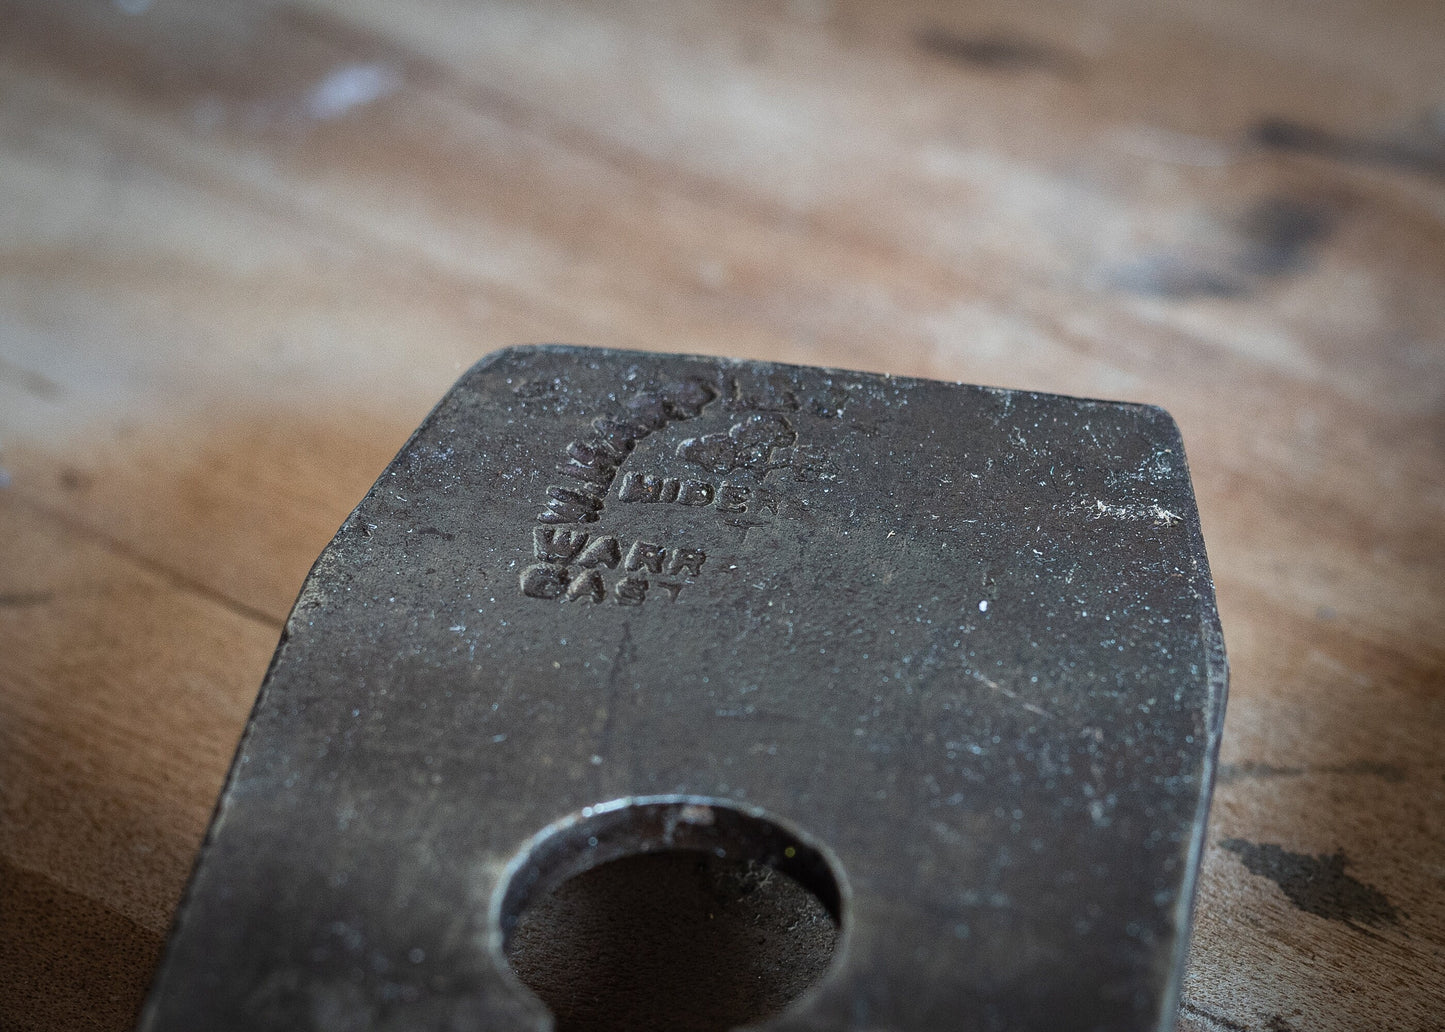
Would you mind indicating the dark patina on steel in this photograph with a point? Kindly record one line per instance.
(947, 655)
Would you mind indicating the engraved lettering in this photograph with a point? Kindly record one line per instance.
(588, 493)
(762, 439)
(619, 433)
(689, 559)
(596, 453)
(727, 497)
(639, 487)
(630, 591)
(587, 586)
(591, 554)
(557, 546)
(602, 551)
(694, 492)
(748, 445)
(595, 458)
(569, 506)
(644, 555)
(601, 476)
(732, 498)
(544, 581)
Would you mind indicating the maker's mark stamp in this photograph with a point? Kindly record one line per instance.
(570, 566)
(741, 474)
(747, 447)
(593, 459)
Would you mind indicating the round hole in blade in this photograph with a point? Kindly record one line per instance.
(676, 913)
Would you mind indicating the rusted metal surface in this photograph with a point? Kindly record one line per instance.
(947, 653)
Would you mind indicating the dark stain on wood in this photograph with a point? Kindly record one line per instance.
(72, 479)
(998, 52)
(1280, 233)
(1275, 238)
(1420, 150)
(1178, 278)
(1316, 884)
(17, 600)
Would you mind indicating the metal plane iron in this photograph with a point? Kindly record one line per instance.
(945, 656)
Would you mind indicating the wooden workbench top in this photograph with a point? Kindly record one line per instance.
(245, 247)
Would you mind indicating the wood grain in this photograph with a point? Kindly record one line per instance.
(244, 247)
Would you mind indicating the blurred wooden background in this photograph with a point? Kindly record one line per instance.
(245, 247)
